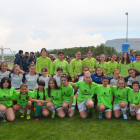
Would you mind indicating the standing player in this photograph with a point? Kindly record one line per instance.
(89, 61)
(103, 65)
(112, 64)
(125, 64)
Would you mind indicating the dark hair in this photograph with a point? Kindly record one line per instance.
(101, 69)
(44, 68)
(20, 51)
(55, 87)
(3, 81)
(41, 83)
(61, 53)
(32, 53)
(137, 54)
(137, 72)
(119, 81)
(69, 78)
(105, 77)
(59, 68)
(32, 65)
(2, 64)
(26, 52)
(43, 49)
(128, 60)
(23, 85)
(135, 82)
(89, 50)
(113, 54)
(63, 76)
(82, 74)
(77, 52)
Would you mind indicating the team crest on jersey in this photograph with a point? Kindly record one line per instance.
(136, 98)
(123, 93)
(56, 93)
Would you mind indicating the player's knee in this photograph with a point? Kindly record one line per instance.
(45, 113)
(117, 116)
(29, 103)
(122, 104)
(49, 105)
(83, 116)
(64, 106)
(62, 115)
(90, 105)
(3, 109)
(10, 119)
(101, 108)
(71, 115)
(133, 106)
(108, 117)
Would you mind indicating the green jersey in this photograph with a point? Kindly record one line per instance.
(6, 96)
(67, 93)
(41, 94)
(104, 66)
(136, 65)
(55, 96)
(123, 68)
(44, 62)
(112, 67)
(104, 96)
(120, 95)
(134, 98)
(75, 67)
(23, 101)
(91, 63)
(85, 90)
(63, 64)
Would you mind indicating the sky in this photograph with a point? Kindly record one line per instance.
(56, 24)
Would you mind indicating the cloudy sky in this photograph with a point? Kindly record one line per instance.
(33, 24)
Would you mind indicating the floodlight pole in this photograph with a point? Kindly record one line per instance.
(127, 28)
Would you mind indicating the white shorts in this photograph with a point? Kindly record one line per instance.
(73, 105)
(136, 112)
(77, 91)
(117, 106)
(82, 106)
(57, 107)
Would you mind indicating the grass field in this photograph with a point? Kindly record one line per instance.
(10, 65)
(70, 128)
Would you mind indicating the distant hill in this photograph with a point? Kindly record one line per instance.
(117, 43)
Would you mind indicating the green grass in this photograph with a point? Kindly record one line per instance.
(70, 128)
(10, 65)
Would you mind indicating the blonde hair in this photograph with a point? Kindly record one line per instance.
(90, 82)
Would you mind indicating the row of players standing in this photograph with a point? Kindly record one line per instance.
(76, 65)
